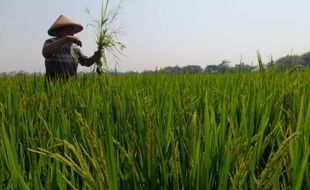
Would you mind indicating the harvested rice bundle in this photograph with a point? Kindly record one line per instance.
(106, 37)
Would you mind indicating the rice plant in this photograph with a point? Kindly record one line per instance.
(223, 131)
(106, 36)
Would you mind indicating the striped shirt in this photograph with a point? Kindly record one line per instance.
(64, 63)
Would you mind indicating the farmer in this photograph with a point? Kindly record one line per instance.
(62, 53)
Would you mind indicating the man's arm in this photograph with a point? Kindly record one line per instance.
(54, 47)
(91, 60)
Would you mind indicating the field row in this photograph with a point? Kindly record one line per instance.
(224, 131)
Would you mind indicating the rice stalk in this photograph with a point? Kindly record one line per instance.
(81, 167)
(274, 163)
(106, 37)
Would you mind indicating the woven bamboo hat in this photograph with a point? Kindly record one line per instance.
(63, 21)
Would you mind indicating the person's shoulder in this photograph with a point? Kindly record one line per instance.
(51, 39)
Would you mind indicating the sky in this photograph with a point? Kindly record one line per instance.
(161, 33)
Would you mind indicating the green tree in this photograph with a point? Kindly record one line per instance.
(193, 69)
(306, 59)
(171, 70)
(223, 66)
(288, 62)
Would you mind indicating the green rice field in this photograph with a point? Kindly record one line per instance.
(204, 131)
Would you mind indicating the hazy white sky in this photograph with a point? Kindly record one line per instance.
(162, 32)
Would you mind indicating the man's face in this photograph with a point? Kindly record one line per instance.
(64, 31)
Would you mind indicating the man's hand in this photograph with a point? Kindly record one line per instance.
(93, 59)
(73, 39)
(97, 55)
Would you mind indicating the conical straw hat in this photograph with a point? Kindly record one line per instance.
(63, 21)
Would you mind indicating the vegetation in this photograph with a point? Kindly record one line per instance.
(288, 62)
(225, 131)
(291, 61)
(106, 36)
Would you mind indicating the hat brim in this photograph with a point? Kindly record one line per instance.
(76, 28)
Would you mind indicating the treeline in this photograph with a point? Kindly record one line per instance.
(291, 61)
(287, 62)
(299, 62)
(223, 67)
